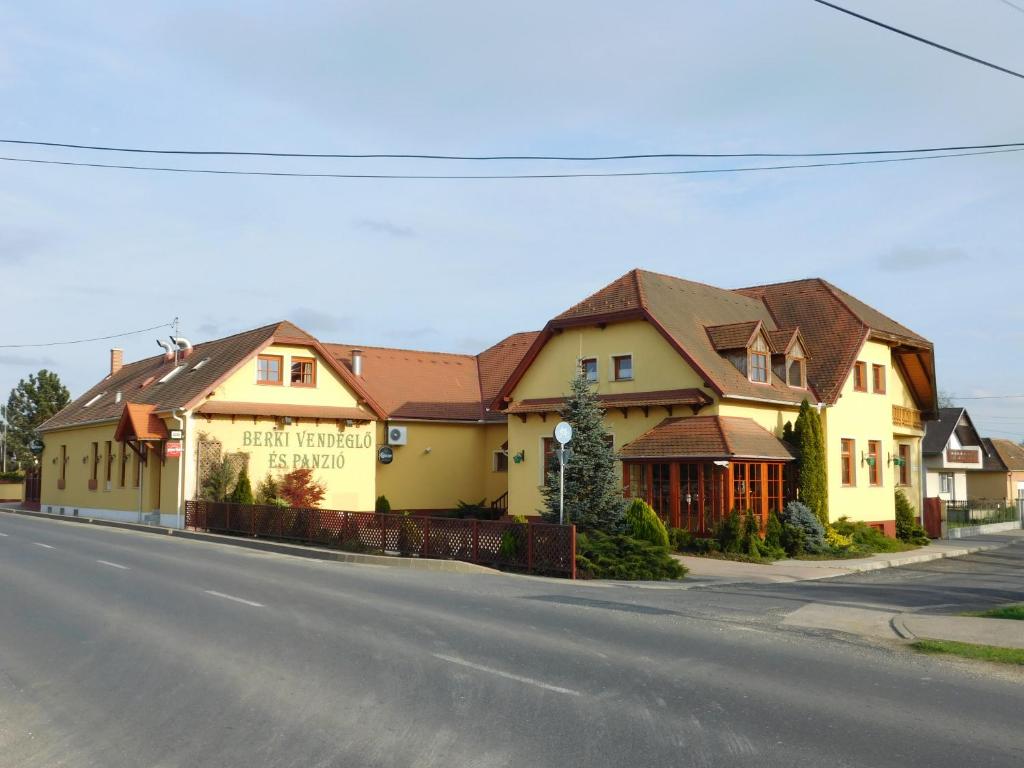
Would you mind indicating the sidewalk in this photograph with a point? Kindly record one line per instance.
(888, 625)
(709, 571)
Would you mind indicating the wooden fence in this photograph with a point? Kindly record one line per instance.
(533, 547)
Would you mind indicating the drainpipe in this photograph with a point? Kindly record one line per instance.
(176, 415)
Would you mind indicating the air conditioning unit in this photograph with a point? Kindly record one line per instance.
(398, 435)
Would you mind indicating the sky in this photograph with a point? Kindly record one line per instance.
(456, 265)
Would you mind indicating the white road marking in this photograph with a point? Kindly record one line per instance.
(506, 675)
(44, 546)
(4, 535)
(113, 565)
(230, 597)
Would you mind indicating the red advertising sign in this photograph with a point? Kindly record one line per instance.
(172, 449)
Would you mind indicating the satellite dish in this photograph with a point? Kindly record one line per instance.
(563, 432)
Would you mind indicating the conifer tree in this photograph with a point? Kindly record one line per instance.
(810, 443)
(593, 499)
(243, 488)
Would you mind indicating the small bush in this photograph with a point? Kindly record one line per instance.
(382, 505)
(837, 541)
(476, 511)
(773, 531)
(300, 490)
(410, 536)
(864, 538)
(793, 539)
(643, 523)
(618, 556)
(729, 533)
(907, 527)
(266, 491)
(243, 489)
(705, 546)
(800, 515)
(680, 539)
(11, 477)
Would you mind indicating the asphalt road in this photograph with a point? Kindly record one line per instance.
(125, 649)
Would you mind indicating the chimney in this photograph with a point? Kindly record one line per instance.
(116, 360)
(357, 362)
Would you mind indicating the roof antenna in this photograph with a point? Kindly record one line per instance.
(174, 340)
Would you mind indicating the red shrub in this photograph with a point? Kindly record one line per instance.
(299, 489)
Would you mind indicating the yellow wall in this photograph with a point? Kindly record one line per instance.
(11, 491)
(865, 416)
(442, 464)
(329, 389)
(342, 458)
(76, 493)
(656, 365)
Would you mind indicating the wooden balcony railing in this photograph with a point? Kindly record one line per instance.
(906, 417)
(963, 456)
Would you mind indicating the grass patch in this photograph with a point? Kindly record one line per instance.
(1003, 612)
(972, 651)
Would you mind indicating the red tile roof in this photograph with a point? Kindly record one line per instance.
(1011, 454)
(702, 321)
(139, 422)
(707, 437)
(413, 384)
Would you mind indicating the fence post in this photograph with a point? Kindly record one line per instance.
(529, 548)
(476, 540)
(425, 548)
(572, 551)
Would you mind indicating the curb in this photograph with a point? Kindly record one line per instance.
(899, 626)
(277, 547)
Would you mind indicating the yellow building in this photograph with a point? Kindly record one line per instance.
(276, 399)
(699, 382)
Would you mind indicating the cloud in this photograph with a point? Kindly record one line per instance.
(384, 227)
(27, 361)
(317, 322)
(918, 259)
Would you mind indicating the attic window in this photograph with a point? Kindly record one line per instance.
(796, 370)
(759, 361)
(171, 374)
(94, 399)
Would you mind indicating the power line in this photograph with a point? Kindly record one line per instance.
(1015, 7)
(571, 158)
(919, 39)
(83, 341)
(573, 175)
(987, 397)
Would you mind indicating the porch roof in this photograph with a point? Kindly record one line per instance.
(139, 422)
(707, 437)
(689, 397)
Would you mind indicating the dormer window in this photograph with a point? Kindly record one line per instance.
(759, 361)
(796, 369)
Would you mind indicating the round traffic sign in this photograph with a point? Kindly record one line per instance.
(385, 454)
(563, 432)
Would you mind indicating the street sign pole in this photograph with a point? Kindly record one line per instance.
(563, 434)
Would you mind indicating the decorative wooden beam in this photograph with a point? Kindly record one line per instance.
(624, 410)
(646, 410)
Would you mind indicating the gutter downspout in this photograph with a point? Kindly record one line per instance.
(176, 415)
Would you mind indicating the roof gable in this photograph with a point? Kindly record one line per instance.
(1011, 454)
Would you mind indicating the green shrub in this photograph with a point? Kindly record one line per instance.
(619, 556)
(410, 536)
(800, 515)
(773, 532)
(680, 539)
(750, 540)
(642, 523)
(793, 539)
(219, 481)
(729, 533)
(864, 538)
(704, 546)
(382, 505)
(11, 477)
(243, 489)
(266, 491)
(907, 527)
(519, 519)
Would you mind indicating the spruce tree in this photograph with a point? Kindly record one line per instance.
(593, 499)
(243, 489)
(810, 444)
